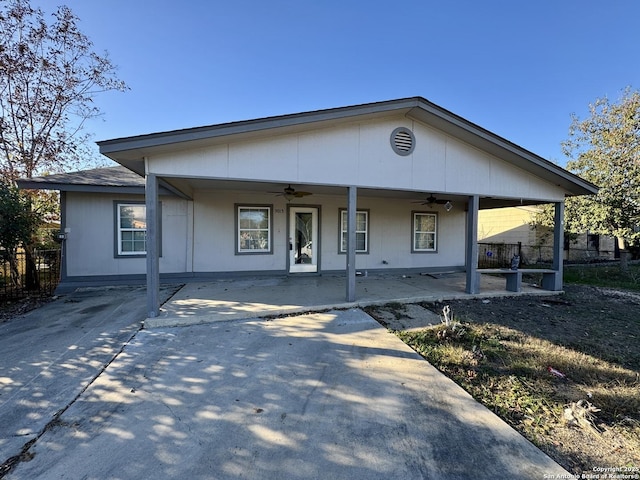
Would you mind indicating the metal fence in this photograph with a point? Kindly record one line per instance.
(18, 280)
(499, 255)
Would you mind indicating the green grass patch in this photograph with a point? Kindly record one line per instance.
(609, 276)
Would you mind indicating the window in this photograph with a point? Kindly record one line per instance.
(131, 229)
(593, 242)
(254, 229)
(424, 232)
(362, 231)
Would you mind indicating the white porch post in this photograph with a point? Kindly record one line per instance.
(351, 244)
(471, 254)
(153, 244)
(554, 282)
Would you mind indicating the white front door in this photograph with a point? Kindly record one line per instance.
(303, 239)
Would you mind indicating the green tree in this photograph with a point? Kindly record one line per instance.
(18, 225)
(605, 150)
(49, 76)
(543, 222)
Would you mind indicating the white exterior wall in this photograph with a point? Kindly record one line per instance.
(390, 233)
(91, 237)
(359, 154)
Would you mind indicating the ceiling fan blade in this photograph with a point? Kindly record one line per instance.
(431, 199)
(290, 192)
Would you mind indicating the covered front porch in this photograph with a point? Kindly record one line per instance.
(240, 298)
(421, 172)
(466, 209)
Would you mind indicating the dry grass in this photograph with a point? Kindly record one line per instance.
(589, 418)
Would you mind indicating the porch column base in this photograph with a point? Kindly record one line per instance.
(552, 281)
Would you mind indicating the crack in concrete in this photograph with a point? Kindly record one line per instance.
(25, 455)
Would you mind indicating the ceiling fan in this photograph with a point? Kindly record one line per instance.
(289, 193)
(431, 200)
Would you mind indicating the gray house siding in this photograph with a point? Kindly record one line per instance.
(198, 236)
(91, 235)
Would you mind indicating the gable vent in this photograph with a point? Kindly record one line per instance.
(402, 141)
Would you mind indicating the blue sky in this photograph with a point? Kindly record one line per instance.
(517, 68)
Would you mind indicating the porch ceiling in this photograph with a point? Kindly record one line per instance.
(191, 184)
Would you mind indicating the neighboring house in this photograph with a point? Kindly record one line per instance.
(512, 225)
(386, 186)
(507, 225)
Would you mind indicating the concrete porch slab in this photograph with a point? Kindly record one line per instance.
(224, 300)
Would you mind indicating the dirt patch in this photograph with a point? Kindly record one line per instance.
(592, 320)
(14, 308)
(405, 317)
(585, 411)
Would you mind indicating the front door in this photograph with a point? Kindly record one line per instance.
(303, 239)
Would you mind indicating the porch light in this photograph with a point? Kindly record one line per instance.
(448, 206)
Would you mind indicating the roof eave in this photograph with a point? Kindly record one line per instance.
(28, 184)
(140, 142)
(129, 151)
(475, 135)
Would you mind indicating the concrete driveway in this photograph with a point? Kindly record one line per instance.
(316, 396)
(50, 355)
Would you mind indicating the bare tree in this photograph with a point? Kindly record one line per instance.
(49, 76)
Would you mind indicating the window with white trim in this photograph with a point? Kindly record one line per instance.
(131, 225)
(254, 229)
(362, 231)
(425, 229)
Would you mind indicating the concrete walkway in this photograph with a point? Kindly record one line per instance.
(221, 300)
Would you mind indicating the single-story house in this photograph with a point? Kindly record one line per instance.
(394, 185)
